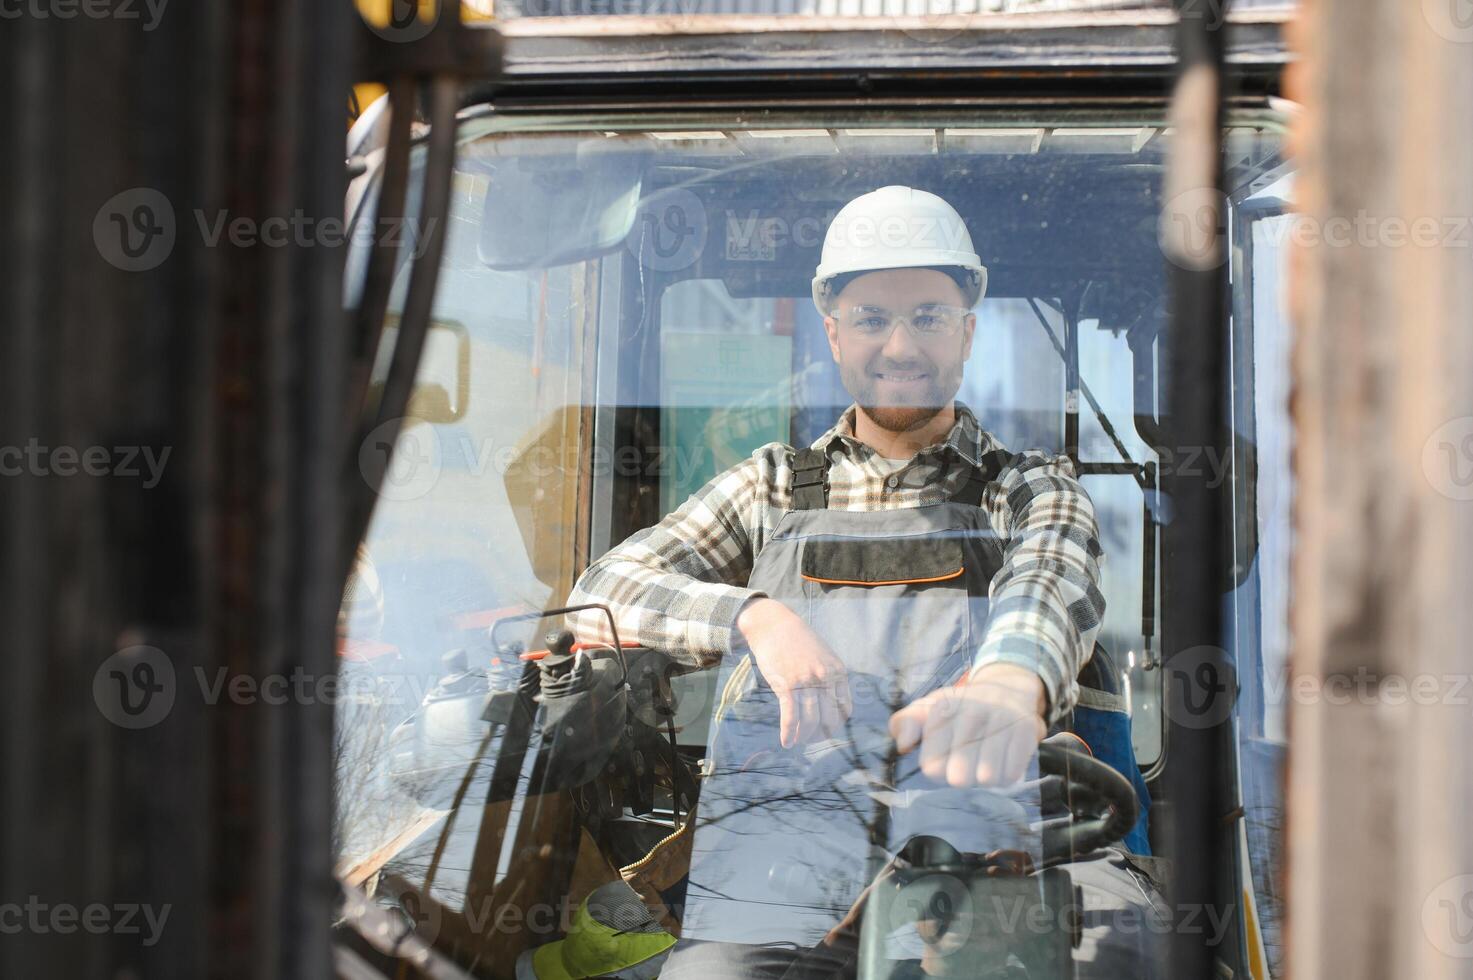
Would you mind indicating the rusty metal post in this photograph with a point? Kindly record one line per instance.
(1380, 787)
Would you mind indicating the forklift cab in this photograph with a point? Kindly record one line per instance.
(623, 313)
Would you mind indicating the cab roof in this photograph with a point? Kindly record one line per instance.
(719, 56)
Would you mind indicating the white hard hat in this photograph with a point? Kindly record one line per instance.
(897, 228)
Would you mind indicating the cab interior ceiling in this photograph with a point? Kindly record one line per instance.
(1046, 225)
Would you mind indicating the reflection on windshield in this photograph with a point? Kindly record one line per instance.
(543, 795)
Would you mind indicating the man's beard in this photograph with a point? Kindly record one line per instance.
(914, 409)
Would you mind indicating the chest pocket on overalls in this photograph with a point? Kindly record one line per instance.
(894, 607)
(899, 595)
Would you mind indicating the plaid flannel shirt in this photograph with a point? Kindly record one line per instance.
(678, 586)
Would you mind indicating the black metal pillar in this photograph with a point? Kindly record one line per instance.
(1198, 677)
(171, 392)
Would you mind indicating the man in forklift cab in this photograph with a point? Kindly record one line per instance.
(906, 582)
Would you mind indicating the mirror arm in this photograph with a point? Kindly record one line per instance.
(1143, 386)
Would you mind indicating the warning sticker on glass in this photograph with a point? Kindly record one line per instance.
(752, 239)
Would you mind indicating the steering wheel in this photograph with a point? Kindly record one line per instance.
(1102, 803)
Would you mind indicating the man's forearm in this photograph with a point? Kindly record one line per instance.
(688, 619)
(677, 587)
(1046, 607)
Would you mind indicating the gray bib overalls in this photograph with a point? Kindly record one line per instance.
(785, 840)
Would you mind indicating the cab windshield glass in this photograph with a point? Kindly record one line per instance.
(639, 329)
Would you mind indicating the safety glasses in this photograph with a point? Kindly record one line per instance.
(928, 321)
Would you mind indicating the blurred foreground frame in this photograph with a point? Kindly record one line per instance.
(1380, 864)
(226, 366)
(232, 360)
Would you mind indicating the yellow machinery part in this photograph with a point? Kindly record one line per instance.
(377, 12)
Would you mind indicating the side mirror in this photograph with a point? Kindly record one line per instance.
(442, 388)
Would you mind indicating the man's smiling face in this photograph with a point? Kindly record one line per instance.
(902, 381)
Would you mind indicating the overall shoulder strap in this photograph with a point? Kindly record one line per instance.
(810, 487)
(986, 471)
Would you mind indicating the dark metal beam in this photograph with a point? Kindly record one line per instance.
(128, 327)
(1199, 777)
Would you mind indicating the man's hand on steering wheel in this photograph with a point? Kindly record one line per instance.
(809, 681)
(982, 732)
